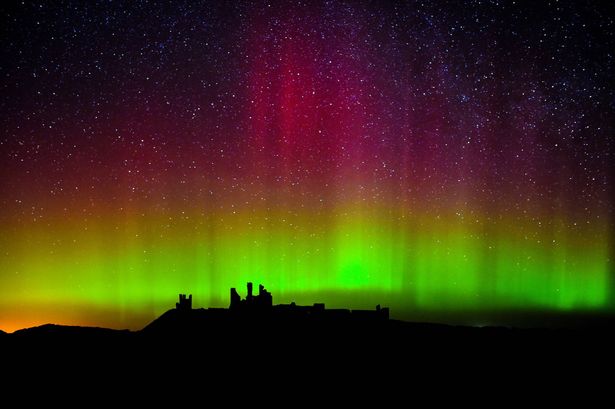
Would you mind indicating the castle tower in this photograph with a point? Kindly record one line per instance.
(235, 299)
(250, 297)
(184, 303)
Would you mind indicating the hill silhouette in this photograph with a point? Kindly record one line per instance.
(291, 337)
(51, 331)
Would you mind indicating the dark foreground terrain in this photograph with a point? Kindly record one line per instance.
(199, 335)
(193, 354)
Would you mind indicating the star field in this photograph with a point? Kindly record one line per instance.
(430, 156)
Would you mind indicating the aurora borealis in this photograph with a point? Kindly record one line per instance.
(427, 156)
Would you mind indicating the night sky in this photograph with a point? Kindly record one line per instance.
(435, 157)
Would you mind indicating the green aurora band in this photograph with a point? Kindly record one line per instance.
(136, 267)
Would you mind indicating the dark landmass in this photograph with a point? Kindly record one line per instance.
(64, 332)
(199, 326)
(287, 338)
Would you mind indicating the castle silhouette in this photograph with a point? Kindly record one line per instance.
(262, 305)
